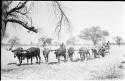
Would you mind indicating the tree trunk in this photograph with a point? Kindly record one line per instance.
(3, 26)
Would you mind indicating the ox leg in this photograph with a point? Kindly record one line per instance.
(47, 59)
(81, 57)
(31, 60)
(36, 59)
(84, 55)
(27, 61)
(95, 55)
(65, 58)
(39, 59)
(58, 59)
(20, 60)
(71, 58)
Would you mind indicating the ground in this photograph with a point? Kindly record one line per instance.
(110, 67)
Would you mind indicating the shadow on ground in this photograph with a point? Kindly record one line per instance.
(76, 60)
(53, 63)
(23, 64)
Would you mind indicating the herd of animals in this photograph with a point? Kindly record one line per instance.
(32, 52)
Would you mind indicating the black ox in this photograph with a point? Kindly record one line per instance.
(60, 52)
(70, 53)
(18, 53)
(33, 52)
(28, 54)
(100, 52)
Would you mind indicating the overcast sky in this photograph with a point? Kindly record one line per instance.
(108, 16)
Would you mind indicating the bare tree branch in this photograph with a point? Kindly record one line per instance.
(23, 24)
(19, 14)
(17, 7)
(63, 19)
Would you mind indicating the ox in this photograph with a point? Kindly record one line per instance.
(70, 53)
(61, 52)
(33, 52)
(18, 53)
(46, 52)
(83, 53)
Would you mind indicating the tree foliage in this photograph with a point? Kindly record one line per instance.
(45, 41)
(71, 41)
(95, 34)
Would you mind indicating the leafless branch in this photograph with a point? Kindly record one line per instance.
(23, 24)
(19, 6)
(63, 19)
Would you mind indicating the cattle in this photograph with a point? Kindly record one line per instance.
(100, 51)
(84, 52)
(18, 53)
(70, 53)
(46, 52)
(33, 52)
(95, 52)
(60, 52)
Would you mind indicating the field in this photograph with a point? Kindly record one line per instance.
(110, 67)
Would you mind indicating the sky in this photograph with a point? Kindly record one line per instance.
(108, 16)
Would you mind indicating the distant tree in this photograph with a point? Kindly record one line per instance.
(71, 41)
(95, 34)
(45, 41)
(31, 43)
(13, 41)
(56, 43)
(118, 40)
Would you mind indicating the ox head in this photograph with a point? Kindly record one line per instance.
(14, 52)
(55, 52)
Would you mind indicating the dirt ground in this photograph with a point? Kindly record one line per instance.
(110, 67)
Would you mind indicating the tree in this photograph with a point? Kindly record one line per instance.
(63, 19)
(13, 41)
(71, 41)
(118, 40)
(95, 34)
(45, 41)
(19, 14)
(56, 43)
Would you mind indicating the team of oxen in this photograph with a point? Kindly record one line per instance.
(32, 52)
